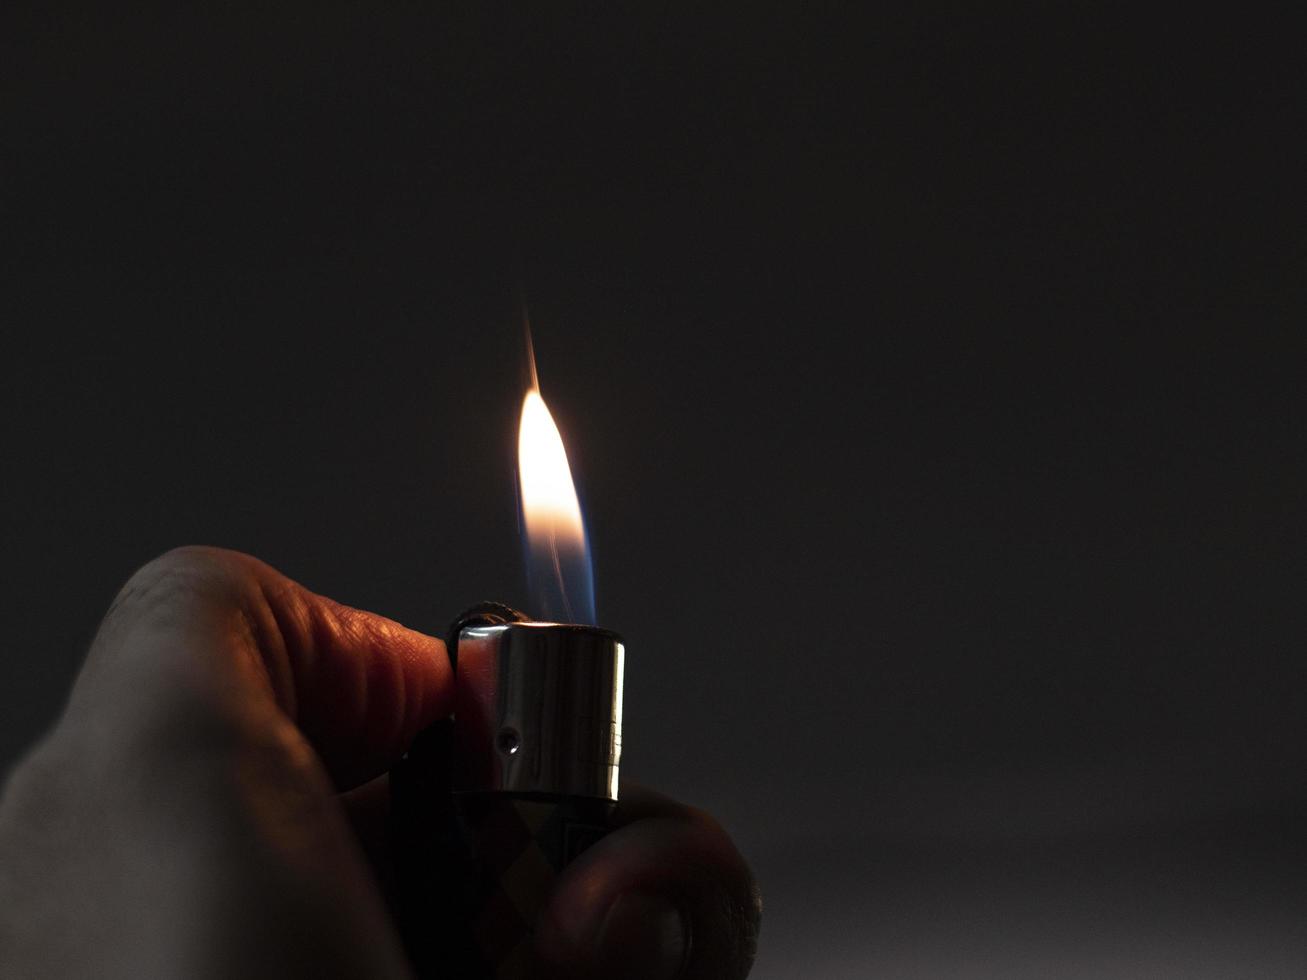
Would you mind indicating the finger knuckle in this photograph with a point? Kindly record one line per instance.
(178, 580)
(183, 563)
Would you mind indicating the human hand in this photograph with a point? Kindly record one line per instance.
(192, 812)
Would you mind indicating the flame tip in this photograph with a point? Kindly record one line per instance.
(533, 378)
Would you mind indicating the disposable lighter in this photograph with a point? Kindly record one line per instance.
(491, 804)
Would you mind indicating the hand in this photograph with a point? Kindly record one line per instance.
(192, 814)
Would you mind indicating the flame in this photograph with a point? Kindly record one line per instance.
(558, 563)
(549, 504)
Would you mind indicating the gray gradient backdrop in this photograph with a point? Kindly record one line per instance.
(932, 378)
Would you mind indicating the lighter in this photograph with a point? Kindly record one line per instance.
(490, 804)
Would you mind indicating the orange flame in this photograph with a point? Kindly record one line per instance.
(559, 575)
(550, 509)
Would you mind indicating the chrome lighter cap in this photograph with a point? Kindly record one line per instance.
(538, 709)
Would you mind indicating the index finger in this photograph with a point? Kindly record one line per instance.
(209, 630)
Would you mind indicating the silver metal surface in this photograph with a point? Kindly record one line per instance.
(538, 709)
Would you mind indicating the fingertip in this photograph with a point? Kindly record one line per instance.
(371, 686)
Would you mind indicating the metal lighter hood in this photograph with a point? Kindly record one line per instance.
(538, 709)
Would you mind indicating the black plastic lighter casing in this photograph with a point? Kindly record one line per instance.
(489, 805)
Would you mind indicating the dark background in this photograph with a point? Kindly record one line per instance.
(932, 377)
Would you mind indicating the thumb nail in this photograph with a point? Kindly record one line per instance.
(643, 937)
